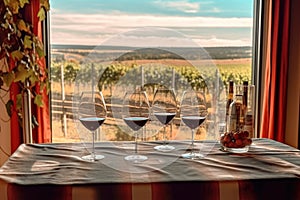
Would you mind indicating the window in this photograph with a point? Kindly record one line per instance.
(137, 33)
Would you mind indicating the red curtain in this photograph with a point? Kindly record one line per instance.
(42, 133)
(274, 98)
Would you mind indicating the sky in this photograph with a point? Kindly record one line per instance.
(152, 22)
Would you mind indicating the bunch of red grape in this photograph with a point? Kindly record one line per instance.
(238, 139)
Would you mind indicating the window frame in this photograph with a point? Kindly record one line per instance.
(257, 58)
(257, 69)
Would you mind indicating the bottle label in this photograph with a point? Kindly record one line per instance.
(232, 124)
(236, 117)
(249, 125)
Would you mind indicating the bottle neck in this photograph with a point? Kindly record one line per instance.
(239, 98)
(230, 90)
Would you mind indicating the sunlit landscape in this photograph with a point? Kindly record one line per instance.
(112, 46)
(235, 65)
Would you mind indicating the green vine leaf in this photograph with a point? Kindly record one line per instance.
(23, 2)
(21, 74)
(8, 78)
(13, 5)
(17, 55)
(41, 14)
(40, 51)
(5, 25)
(22, 25)
(24, 48)
(38, 100)
(6, 2)
(33, 79)
(27, 42)
(45, 4)
(19, 101)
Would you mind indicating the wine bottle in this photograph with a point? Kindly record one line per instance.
(245, 97)
(236, 116)
(249, 124)
(229, 101)
(249, 111)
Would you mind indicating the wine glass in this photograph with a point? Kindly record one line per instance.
(193, 113)
(92, 113)
(135, 114)
(164, 108)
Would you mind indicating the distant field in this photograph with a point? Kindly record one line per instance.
(129, 53)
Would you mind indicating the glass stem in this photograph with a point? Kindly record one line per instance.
(192, 148)
(165, 142)
(93, 144)
(136, 143)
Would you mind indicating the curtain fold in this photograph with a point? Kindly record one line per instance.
(275, 79)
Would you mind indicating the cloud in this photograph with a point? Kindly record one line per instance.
(217, 42)
(184, 6)
(126, 20)
(97, 28)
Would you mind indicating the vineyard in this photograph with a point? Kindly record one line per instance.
(112, 65)
(113, 76)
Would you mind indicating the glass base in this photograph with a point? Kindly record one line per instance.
(235, 150)
(164, 148)
(192, 155)
(136, 158)
(92, 157)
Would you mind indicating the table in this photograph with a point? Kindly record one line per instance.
(270, 170)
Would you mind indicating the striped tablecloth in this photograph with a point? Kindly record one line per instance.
(56, 171)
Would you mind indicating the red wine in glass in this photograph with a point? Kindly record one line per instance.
(92, 123)
(193, 113)
(164, 118)
(193, 121)
(164, 108)
(135, 114)
(135, 123)
(92, 114)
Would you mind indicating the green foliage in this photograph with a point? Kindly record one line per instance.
(113, 74)
(38, 100)
(21, 51)
(236, 72)
(70, 71)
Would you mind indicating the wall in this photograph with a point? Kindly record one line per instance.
(4, 127)
(293, 96)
